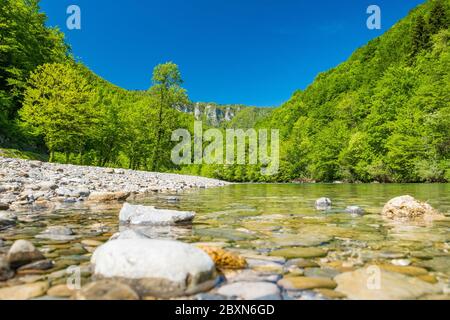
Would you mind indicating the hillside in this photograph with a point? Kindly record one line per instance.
(224, 116)
(382, 115)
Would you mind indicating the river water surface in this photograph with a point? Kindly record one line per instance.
(260, 219)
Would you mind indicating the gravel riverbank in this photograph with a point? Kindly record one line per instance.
(26, 183)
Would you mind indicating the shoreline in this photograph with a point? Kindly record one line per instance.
(34, 184)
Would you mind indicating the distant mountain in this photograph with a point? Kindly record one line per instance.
(224, 116)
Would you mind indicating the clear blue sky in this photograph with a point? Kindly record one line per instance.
(255, 52)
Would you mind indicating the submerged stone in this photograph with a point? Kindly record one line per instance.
(23, 252)
(251, 291)
(292, 253)
(364, 285)
(106, 290)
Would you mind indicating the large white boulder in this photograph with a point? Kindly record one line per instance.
(158, 268)
(135, 214)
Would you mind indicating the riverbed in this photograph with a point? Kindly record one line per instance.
(264, 222)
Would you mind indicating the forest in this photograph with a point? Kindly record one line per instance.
(383, 115)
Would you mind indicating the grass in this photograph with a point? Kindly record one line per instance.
(27, 155)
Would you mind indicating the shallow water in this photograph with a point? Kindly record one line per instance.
(258, 219)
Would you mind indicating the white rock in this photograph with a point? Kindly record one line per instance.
(323, 204)
(158, 268)
(134, 214)
(355, 210)
(251, 291)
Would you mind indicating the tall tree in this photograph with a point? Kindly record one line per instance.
(168, 91)
(58, 106)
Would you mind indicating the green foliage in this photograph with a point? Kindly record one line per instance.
(25, 44)
(383, 115)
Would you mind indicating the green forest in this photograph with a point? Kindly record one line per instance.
(383, 115)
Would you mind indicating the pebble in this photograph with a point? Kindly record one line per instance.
(38, 265)
(406, 270)
(60, 291)
(224, 259)
(331, 294)
(302, 263)
(146, 215)
(24, 292)
(292, 253)
(91, 243)
(323, 204)
(106, 290)
(159, 268)
(5, 271)
(251, 291)
(23, 252)
(306, 283)
(391, 286)
(355, 210)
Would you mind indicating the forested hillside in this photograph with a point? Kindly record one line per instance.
(384, 115)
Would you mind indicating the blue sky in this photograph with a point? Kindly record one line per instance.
(254, 52)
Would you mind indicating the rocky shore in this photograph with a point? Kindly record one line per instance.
(25, 184)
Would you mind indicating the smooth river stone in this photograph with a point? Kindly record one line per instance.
(158, 268)
(60, 291)
(24, 292)
(144, 215)
(302, 263)
(406, 270)
(292, 253)
(306, 283)
(106, 290)
(5, 271)
(303, 239)
(23, 252)
(393, 286)
(321, 272)
(251, 291)
(440, 264)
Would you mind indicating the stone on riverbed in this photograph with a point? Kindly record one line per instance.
(24, 292)
(323, 204)
(23, 252)
(143, 215)
(4, 206)
(106, 290)
(306, 283)
(224, 259)
(360, 285)
(5, 271)
(292, 253)
(355, 210)
(157, 268)
(408, 208)
(7, 219)
(108, 196)
(57, 233)
(251, 291)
